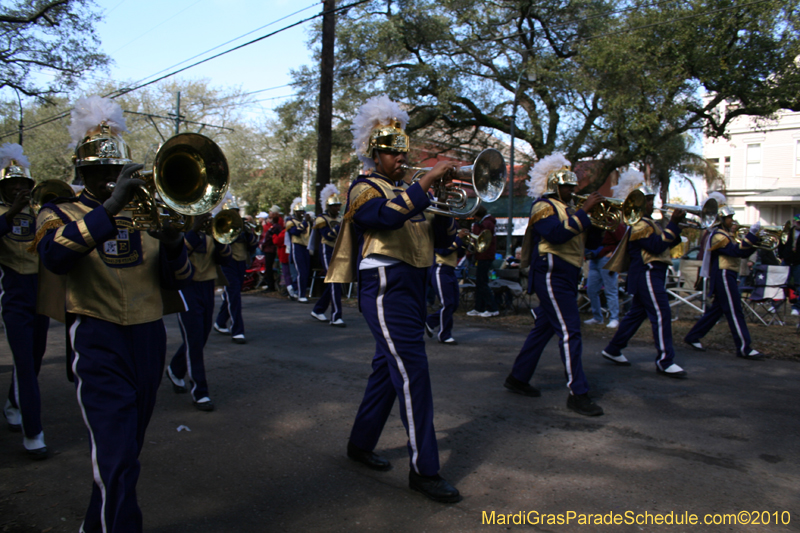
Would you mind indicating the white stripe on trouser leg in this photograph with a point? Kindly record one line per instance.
(95, 467)
(185, 335)
(227, 299)
(564, 330)
(441, 300)
(733, 312)
(412, 430)
(297, 269)
(658, 314)
(334, 308)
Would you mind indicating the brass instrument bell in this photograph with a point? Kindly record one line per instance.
(770, 237)
(479, 243)
(611, 212)
(47, 191)
(706, 213)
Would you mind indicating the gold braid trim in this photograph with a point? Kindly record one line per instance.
(363, 198)
(542, 213)
(641, 233)
(47, 226)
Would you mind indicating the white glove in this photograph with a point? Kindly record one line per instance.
(755, 228)
(124, 189)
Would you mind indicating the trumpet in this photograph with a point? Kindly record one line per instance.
(256, 228)
(770, 237)
(189, 178)
(611, 212)
(487, 174)
(706, 213)
(47, 191)
(479, 243)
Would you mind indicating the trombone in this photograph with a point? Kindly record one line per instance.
(770, 237)
(488, 178)
(706, 214)
(611, 212)
(189, 178)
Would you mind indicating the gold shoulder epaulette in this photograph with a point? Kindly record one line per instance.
(320, 223)
(641, 230)
(719, 240)
(541, 210)
(53, 223)
(361, 194)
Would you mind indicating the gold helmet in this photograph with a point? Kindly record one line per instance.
(562, 176)
(96, 129)
(379, 124)
(390, 137)
(102, 148)
(13, 162)
(330, 195)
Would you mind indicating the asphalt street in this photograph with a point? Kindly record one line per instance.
(271, 457)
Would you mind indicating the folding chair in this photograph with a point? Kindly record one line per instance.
(768, 292)
(681, 286)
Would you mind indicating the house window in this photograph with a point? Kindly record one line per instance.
(797, 160)
(753, 171)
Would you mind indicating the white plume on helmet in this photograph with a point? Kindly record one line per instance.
(537, 184)
(629, 180)
(327, 191)
(90, 112)
(719, 197)
(378, 110)
(297, 204)
(13, 152)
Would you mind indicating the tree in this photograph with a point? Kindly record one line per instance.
(601, 79)
(55, 35)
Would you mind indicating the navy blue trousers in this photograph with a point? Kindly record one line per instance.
(728, 302)
(231, 308)
(26, 333)
(650, 301)
(556, 286)
(445, 284)
(484, 297)
(117, 373)
(302, 263)
(392, 300)
(195, 325)
(332, 295)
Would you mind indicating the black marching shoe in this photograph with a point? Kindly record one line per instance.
(434, 487)
(753, 355)
(518, 387)
(695, 345)
(178, 385)
(370, 459)
(583, 405)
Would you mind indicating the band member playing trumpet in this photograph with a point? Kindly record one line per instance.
(645, 252)
(445, 284)
(721, 267)
(114, 276)
(299, 229)
(25, 329)
(388, 239)
(554, 247)
(195, 323)
(326, 227)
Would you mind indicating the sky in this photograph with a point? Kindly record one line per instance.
(145, 37)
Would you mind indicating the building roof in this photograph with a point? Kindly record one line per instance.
(775, 195)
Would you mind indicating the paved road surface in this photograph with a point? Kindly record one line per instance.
(272, 456)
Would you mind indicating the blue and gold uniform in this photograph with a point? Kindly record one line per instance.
(114, 280)
(648, 251)
(26, 330)
(196, 322)
(726, 253)
(390, 242)
(234, 270)
(554, 245)
(445, 283)
(299, 231)
(327, 227)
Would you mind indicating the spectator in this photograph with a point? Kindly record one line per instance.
(272, 225)
(485, 305)
(605, 280)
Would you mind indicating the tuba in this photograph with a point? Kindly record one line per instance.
(611, 212)
(189, 178)
(488, 178)
(47, 191)
(770, 237)
(479, 243)
(706, 214)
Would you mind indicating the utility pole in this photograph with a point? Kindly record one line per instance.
(325, 100)
(178, 114)
(21, 126)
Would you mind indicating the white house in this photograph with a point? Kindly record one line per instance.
(761, 167)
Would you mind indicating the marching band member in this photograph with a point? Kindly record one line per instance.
(195, 323)
(114, 276)
(554, 247)
(388, 239)
(645, 252)
(234, 270)
(327, 227)
(299, 230)
(445, 283)
(721, 267)
(26, 330)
